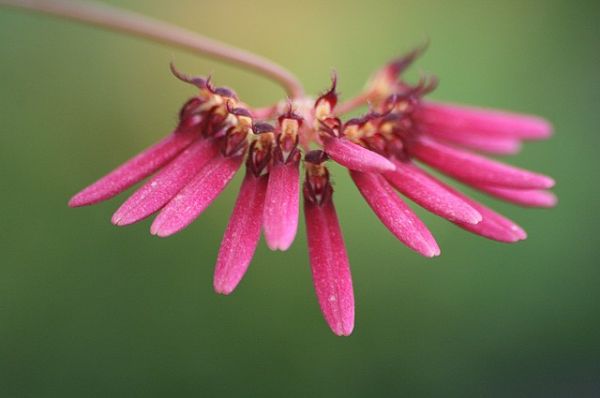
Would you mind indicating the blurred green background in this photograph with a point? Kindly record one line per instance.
(90, 310)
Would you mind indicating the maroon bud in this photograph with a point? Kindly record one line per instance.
(290, 114)
(316, 157)
(325, 104)
(317, 186)
(235, 142)
(238, 111)
(259, 156)
(262, 128)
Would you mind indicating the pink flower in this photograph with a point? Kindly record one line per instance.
(382, 151)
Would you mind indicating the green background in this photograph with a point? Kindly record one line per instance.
(89, 310)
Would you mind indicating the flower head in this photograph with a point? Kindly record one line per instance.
(382, 149)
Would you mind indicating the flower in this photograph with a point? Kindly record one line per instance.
(217, 132)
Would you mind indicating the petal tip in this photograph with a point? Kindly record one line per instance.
(519, 232)
(434, 252)
(223, 288)
(429, 250)
(343, 327)
(121, 219)
(76, 201)
(552, 200)
(278, 244)
(344, 332)
(117, 219)
(544, 128)
(549, 182)
(160, 230)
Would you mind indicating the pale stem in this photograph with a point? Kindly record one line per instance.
(129, 22)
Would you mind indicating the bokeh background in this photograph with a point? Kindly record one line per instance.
(90, 310)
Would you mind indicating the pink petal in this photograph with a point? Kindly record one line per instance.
(414, 183)
(355, 157)
(493, 226)
(280, 220)
(469, 167)
(330, 267)
(456, 119)
(201, 191)
(524, 197)
(489, 144)
(134, 170)
(242, 234)
(395, 214)
(161, 188)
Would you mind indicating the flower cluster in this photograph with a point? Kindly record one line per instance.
(217, 132)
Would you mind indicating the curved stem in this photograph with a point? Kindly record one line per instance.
(138, 25)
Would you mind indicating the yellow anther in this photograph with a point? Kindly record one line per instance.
(289, 128)
(323, 110)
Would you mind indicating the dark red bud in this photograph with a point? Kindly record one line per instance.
(258, 158)
(238, 111)
(290, 114)
(316, 157)
(330, 95)
(262, 128)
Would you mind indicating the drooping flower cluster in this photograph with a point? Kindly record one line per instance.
(217, 132)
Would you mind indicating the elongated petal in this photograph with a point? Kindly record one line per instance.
(490, 144)
(414, 183)
(242, 234)
(395, 214)
(355, 157)
(455, 119)
(330, 267)
(469, 167)
(134, 170)
(201, 191)
(157, 192)
(280, 220)
(523, 197)
(493, 226)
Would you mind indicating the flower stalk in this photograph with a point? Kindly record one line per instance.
(134, 24)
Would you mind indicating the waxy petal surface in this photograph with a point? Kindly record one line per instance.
(455, 119)
(493, 226)
(395, 214)
(414, 183)
(330, 267)
(192, 200)
(523, 197)
(490, 144)
(161, 188)
(134, 170)
(280, 218)
(470, 167)
(355, 157)
(242, 234)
